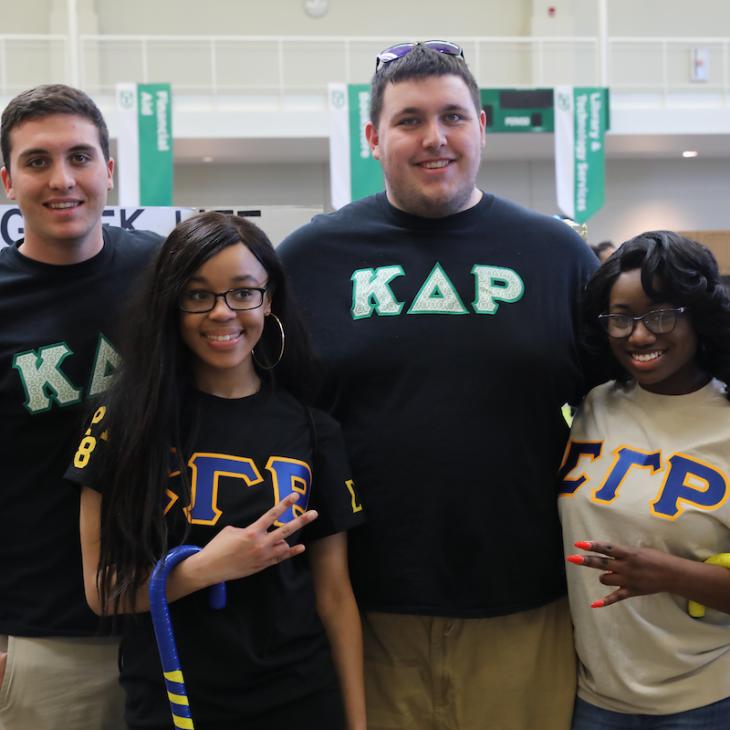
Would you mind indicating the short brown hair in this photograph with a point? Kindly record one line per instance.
(43, 101)
(422, 62)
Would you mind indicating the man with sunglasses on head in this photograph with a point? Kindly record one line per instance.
(62, 288)
(444, 318)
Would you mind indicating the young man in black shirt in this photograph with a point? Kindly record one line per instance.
(444, 317)
(61, 291)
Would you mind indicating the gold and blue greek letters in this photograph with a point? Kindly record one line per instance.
(575, 451)
(207, 469)
(686, 480)
(88, 442)
(287, 476)
(625, 458)
(690, 482)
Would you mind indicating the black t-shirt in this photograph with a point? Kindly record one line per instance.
(449, 346)
(57, 335)
(267, 647)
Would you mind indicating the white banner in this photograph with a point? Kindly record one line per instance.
(127, 157)
(354, 172)
(564, 150)
(339, 117)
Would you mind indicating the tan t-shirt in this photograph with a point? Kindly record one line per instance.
(643, 469)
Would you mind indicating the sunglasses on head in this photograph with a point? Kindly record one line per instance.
(403, 49)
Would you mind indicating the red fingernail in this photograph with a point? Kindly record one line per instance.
(598, 604)
(583, 545)
(577, 559)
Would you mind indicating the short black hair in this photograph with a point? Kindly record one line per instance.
(43, 101)
(674, 269)
(422, 62)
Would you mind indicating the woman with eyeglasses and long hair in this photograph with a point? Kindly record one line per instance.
(204, 439)
(644, 494)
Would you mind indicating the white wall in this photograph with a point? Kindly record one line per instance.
(264, 184)
(640, 194)
(29, 16)
(669, 18)
(408, 20)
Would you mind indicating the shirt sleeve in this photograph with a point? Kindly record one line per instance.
(89, 455)
(334, 494)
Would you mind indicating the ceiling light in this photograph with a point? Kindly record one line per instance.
(690, 153)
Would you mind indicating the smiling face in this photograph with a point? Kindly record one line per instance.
(60, 179)
(429, 142)
(664, 364)
(221, 340)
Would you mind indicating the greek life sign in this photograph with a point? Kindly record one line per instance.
(277, 221)
(354, 172)
(144, 150)
(580, 128)
(159, 220)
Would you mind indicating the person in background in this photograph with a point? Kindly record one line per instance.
(603, 250)
(644, 494)
(61, 291)
(445, 320)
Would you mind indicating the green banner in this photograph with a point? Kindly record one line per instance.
(366, 176)
(580, 128)
(522, 110)
(154, 120)
(518, 110)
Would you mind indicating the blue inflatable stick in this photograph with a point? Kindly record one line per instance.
(172, 671)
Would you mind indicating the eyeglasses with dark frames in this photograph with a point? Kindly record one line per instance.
(403, 49)
(658, 322)
(240, 299)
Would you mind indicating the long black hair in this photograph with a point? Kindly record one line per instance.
(149, 414)
(676, 270)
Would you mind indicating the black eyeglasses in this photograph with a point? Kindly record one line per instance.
(199, 301)
(403, 49)
(658, 322)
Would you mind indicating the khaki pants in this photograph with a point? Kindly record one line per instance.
(512, 672)
(61, 684)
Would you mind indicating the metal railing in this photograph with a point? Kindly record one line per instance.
(662, 66)
(289, 65)
(268, 68)
(30, 59)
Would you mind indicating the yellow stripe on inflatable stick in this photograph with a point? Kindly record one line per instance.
(697, 610)
(177, 694)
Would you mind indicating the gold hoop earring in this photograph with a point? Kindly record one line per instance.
(281, 351)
